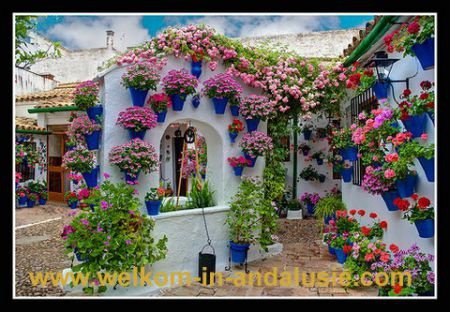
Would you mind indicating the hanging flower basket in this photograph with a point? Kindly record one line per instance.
(91, 177)
(425, 53)
(239, 252)
(233, 136)
(161, 116)
(93, 140)
(94, 112)
(219, 105)
(238, 171)
(178, 101)
(196, 68)
(131, 179)
(136, 134)
(389, 198)
(178, 84)
(252, 160)
(425, 228)
(138, 96)
(346, 174)
(153, 207)
(381, 90)
(234, 110)
(416, 124)
(252, 124)
(428, 167)
(406, 186)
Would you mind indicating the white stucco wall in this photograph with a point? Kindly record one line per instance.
(214, 128)
(399, 231)
(28, 82)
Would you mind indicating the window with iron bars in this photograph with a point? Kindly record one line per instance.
(26, 171)
(363, 102)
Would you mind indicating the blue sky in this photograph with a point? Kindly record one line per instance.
(82, 32)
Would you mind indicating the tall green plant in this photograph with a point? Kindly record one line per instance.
(200, 196)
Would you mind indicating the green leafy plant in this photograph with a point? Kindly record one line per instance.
(294, 204)
(70, 197)
(327, 206)
(309, 174)
(318, 155)
(342, 139)
(155, 194)
(115, 238)
(200, 196)
(32, 197)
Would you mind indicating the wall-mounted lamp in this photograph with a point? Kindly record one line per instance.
(383, 66)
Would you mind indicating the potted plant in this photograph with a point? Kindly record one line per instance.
(307, 131)
(309, 174)
(362, 79)
(160, 102)
(255, 108)
(83, 161)
(347, 171)
(341, 247)
(137, 120)
(178, 84)
(305, 148)
(75, 178)
(169, 190)
(222, 88)
(255, 144)
(43, 196)
(310, 200)
(415, 38)
(400, 170)
(234, 128)
(83, 126)
(71, 199)
(420, 212)
(139, 79)
(238, 164)
(294, 210)
(374, 182)
(424, 153)
(31, 200)
(319, 156)
(196, 64)
(325, 208)
(134, 157)
(21, 193)
(153, 200)
(85, 98)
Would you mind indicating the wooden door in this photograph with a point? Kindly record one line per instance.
(57, 185)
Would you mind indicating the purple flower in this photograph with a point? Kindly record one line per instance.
(106, 243)
(99, 229)
(84, 221)
(128, 242)
(430, 277)
(104, 205)
(106, 175)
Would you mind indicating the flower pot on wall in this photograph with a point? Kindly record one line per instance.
(178, 101)
(428, 167)
(416, 124)
(294, 214)
(219, 105)
(161, 116)
(431, 115)
(340, 255)
(238, 171)
(234, 110)
(138, 96)
(153, 207)
(252, 124)
(322, 178)
(239, 252)
(425, 53)
(91, 177)
(388, 198)
(195, 101)
(252, 160)
(319, 161)
(31, 203)
(136, 134)
(307, 134)
(350, 153)
(380, 90)
(233, 136)
(346, 174)
(94, 112)
(73, 205)
(425, 228)
(22, 201)
(406, 186)
(93, 140)
(331, 250)
(305, 152)
(131, 179)
(196, 68)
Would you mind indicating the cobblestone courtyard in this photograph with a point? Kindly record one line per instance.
(40, 248)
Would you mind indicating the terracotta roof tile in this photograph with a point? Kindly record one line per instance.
(58, 97)
(25, 123)
(362, 34)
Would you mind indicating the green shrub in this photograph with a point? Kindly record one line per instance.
(200, 196)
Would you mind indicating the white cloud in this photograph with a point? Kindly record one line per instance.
(84, 33)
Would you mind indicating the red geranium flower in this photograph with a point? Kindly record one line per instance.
(425, 85)
(423, 96)
(347, 249)
(414, 196)
(397, 288)
(413, 28)
(373, 215)
(383, 225)
(353, 212)
(394, 248)
(365, 230)
(406, 92)
(430, 105)
(423, 202)
(361, 212)
(368, 257)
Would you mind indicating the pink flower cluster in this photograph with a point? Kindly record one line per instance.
(137, 118)
(256, 143)
(373, 183)
(399, 138)
(257, 106)
(86, 89)
(159, 102)
(142, 54)
(179, 82)
(240, 161)
(83, 193)
(79, 159)
(134, 156)
(141, 76)
(82, 125)
(311, 198)
(382, 115)
(75, 177)
(222, 85)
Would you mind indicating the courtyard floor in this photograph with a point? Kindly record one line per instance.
(40, 248)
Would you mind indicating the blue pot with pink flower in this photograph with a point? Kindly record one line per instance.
(310, 208)
(252, 124)
(238, 171)
(91, 177)
(425, 53)
(131, 178)
(252, 160)
(349, 153)
(425, 227)
(416, 124)
(220, 104)
(95, 112)
(161, 116)
(346, 174)
(196, 68)
(407, 185)
(178, 101)
(93, 140)
(234, 110)
(136, 134)
(138, 96)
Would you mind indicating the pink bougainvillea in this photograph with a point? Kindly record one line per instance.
(137, 118)
(256, 143)
(257, 106)
(179, 82)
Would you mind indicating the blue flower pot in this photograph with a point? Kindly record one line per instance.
(327, 219)
(425, 228)
(92, 206)
(153, 207)
(90, 178)
(94, 112)
(178, 101)
(136, 134)
(42, 201)
(307, 134)
(305, 152)
(234, 110)
(138, 96)
(233, 136)
(331, 250)
(340, 255)
(252, 124)
(219, 105)
(350, 153)
(310, 208)
(73, 205)
(425, 53)
(380, 90)
(203, 176)
(196, 68)
(388, 198)
(395, 124)
(70, 148)
(23, 201)
(252, 160)
(238, 171)
(376, 164)
(431, 115)
(161, 116)
(78, 256)
(319, 161)
(428, 167)
(416, 124)
(195, 101)
(93, 140)
(31, 203)
(130, 179)
(346, 174)
(406, 186)
(239, 252)
(322, 178)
